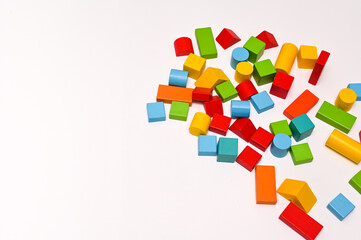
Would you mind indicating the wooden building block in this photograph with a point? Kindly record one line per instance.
(301, 153)
(227, 150)
(345, 99)
(194, 65)
(207, 145)
(299, 193)
(281, 85)
(178, 78)
(156, 112)
(265, 185)
(280, 127)
(215, 105)
(255, 48)
(248, 158)
(268, 39)
(206, 44)
(243, 128)
(239, 54)
(357, 89)
(261, 139)
(179, 111)
(246, 90)
(243, 72)
(302, 104)
(211, 77)
(286, 58)
(300, 222)
(317, 70)
(220, 124)
(264, 72)
(336, 117)
(281, 143)
(307, 57)
(301, 127)
(226, 91)
(183, 46)
(262, 102)
(167, 94)
(240, 109)
(355, 182)
(340, 206)
(202, 94)
(227, 38)
(200, 124)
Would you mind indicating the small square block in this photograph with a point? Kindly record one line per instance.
(280, 127)
(179, 110)
(262, 102)
(227, 150)
(255, 47)
(194, 65)
(355, 182)
(243, 128)
(301, 153)
(220, 124)
(248, 158)
(357, 88)
(268, 39)
(227, 38)
(307, 57)
(301, 127)
(340, 206)
(156, 112)
(202, 94)
(281, 85)
(261, 139)
(207, 145)
(214, 106)
(264, 72)
(226, 91)
(240, 109)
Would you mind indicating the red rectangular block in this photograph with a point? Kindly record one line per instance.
(243, 128)
(261, 139)
(301, 222)
(248, 158)
(302, 104)
(202, 94)
(220, 124)
(215, 105)
(317, 70)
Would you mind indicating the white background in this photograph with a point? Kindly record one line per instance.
(79, 159)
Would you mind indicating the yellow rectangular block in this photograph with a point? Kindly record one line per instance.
(194, 65)
(307, 57)
(211, 77)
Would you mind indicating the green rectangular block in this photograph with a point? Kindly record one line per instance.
(226, 91)
(336, 117)
(206, 44)
(355, 182)
(280, 127)
(179, 110)
(301, 153)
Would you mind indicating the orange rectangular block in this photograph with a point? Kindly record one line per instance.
(266, 185)
(301, 105)
(168, 94)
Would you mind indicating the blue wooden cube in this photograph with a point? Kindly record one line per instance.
(178, 78)
(207, 145)
(156, 112)
(340, 206)
(262, 102)
(227, 150)
(240, 109)
(301, 127)
(357, 88)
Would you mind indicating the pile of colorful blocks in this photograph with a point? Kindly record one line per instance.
(245, 62)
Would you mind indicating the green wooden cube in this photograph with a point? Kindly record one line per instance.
(179, 110)
(355, 182)
(226, 91)
(206, 44)
(264, 72)
(227, 150)
(255, 48)
(280, 127)
(301, 153)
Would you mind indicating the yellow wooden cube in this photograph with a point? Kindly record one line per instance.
(194, 65)
(307, 57)
(299, 193)
(211, 77)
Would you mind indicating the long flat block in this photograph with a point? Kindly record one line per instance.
(206, 44)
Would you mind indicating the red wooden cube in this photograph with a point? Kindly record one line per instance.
(202, 94)
(261, 139)
(220, 124)
(215, 105)
(268, 39)
(244, 128)
(281, 85)
(227, 38)
(246, 90)
(248, 158)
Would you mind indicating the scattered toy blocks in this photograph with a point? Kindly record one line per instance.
(336, 117)
(240, 109)
(280, 127)
(248, 158)
(345, 99)
(178, 78)
(300, 222)
(357, 89)
(179, 111)
(227, 150)
(280, 145)
(239, 54)
(302, 104)
(207, 145)
(317, 70)
(156, 112)
(301, 153)
(286, 58)
(183, 46)
(262, 102)
(281, 85)
(355, 182)
(243, 128)
(268, 39)
(226, 91)
(220, 124)
(227, 38)
(211, 77)
(243, 72)
(255, 47)
(202, 94)
(265, 185)
(301, 127)
(245, 90)
(214, 106)
(200, 124)
(261, 139)
(341, 207)
(264, 72)
(206, 44)
(167, 94)
(299, 193)
(194, 65)
(307, 57)
(344, 145)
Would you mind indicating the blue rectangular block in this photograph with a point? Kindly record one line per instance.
(262, 102)
(301, 127)
(227, 150)
(340, 206)
(357, 88)
(207, 145)
(240, 109)
(156, 112)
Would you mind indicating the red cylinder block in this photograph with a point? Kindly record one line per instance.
(245, 90)
(183, 46)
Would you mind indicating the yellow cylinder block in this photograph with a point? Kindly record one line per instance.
(243, 72)
(344, 145)
(346, 99)
(286, 58)
(200, 124)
